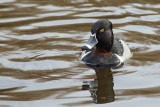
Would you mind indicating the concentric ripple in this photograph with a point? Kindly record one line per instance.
(40, 47)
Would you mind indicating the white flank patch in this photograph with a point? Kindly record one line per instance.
(127, 53)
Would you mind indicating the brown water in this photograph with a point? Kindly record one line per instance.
(40, 43)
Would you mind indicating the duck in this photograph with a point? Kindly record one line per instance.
(103, 49)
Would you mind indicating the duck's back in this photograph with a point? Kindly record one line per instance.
(121, 49)
(117, 47)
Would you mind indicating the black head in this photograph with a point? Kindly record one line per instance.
(101, 36)
(104, 34)
(101, 24)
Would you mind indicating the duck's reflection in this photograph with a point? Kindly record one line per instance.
(101, 89)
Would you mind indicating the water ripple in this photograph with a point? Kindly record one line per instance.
(40, 46)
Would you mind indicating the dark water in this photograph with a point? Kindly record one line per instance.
(40, 43)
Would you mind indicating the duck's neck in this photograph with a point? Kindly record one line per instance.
(102, 52)
(104, 46)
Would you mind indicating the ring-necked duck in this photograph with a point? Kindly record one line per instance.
(103, 49)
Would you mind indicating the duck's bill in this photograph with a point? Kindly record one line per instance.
(92, 41)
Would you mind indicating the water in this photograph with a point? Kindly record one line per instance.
(40, 47)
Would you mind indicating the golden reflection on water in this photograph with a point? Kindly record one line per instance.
(40, 44)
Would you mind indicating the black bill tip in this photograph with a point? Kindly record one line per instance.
(84, 48)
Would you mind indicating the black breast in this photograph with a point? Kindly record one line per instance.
(108, 61)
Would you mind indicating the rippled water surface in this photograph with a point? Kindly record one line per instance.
(40, 47)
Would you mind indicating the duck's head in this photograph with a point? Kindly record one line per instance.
(101, 36)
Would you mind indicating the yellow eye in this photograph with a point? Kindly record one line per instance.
(102, 30)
